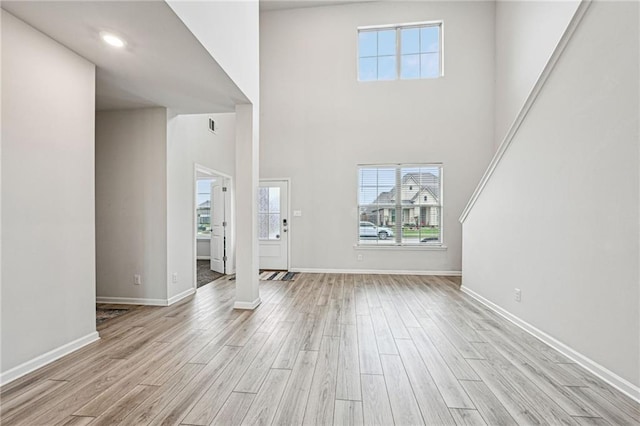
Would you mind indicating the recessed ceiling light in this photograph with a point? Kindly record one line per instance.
(112, 40)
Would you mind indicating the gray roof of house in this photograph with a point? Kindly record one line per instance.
(426, 181)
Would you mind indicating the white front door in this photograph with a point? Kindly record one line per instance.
(273, 225)
(218, 226)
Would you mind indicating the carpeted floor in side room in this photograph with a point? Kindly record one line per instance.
(205, 274)
(106, 312)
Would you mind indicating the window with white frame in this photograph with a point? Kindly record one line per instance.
(400, 204)
(410, 51)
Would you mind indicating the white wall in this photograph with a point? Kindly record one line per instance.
(559, 217)
(246, 206)
(131, 200)
(318, 122)
(203, 248)
(48, 288)
(189, 142)
(527, 32)
(229, 31)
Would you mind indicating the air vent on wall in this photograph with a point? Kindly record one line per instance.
(212, 125)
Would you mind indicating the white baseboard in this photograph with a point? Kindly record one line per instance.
(602, 372)
(132, 301)
(376, 272)
(44, 359)
(181, 296)
(203, 257)
(247, 305)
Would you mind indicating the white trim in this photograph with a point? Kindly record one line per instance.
(247, 305)
(402, 165)
(202, 258)
(47, 358)
(401, 247)
(376, 272)
(408, 24)
(524, 111)
(131, 301)
(598, 370)
(188, 292)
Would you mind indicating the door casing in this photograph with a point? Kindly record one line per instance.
(229, 218)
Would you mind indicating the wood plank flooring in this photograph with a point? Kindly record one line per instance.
(324, 349)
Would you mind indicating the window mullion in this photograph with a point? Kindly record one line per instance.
(398, 231)
(377, 56)
(378, 192)
(398, 46)
(419, 53)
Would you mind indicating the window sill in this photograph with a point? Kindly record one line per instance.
(400, 247)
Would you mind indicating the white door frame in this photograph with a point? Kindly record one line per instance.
(288, 212)
(230, 217)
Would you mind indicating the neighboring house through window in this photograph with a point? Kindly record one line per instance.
(400, 204)
(203, 210)
(410, 51)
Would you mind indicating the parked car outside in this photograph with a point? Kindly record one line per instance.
(368, 229)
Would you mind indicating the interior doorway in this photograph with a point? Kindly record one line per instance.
(212, 225)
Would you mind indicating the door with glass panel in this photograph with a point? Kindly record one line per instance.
(273, 225)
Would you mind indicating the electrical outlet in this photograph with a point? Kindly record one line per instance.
(174, 277)
(137, 279)
(360, 258)
(518, 295)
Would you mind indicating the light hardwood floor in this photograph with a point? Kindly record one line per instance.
(324, 349)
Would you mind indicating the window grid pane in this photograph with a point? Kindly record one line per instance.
(410, 39)
(387, 42)
(429, 65)
(368, 44)
(410, 66)
(274, 226)
(263, 226)
(386, 68)
(430, 39)
(368, 69)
